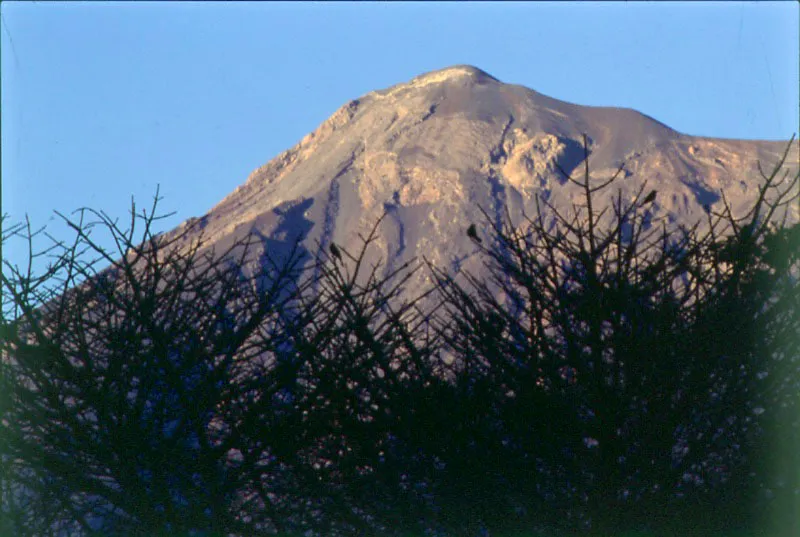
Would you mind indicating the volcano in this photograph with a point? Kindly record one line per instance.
(152, 403)
(446, 149)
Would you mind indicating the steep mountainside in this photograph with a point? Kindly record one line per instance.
(434, 150)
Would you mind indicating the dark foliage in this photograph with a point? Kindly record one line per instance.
(635, 375)
(609, 375)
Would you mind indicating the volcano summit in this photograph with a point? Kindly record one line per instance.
(434, 151)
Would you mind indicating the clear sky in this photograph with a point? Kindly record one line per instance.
(101, 101)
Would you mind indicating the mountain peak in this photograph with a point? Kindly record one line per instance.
(455, 75)
(453, 72)
(433, 152)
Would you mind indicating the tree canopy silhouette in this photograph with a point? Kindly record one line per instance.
(609, 374)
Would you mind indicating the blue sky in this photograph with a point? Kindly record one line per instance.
(102, 101)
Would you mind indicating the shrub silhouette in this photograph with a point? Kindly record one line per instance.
(634, 369)
(113, 383)
(608, 375)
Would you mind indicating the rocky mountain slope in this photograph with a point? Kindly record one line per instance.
(433, 151)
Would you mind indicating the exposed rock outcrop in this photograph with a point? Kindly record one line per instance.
(435, 149)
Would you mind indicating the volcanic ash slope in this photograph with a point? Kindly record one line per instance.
(433, 151)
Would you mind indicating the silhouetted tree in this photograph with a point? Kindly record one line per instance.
(609, 374)
(357, 359)
(616, 372)
(114, 379)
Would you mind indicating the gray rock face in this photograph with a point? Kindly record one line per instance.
(433, 151)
